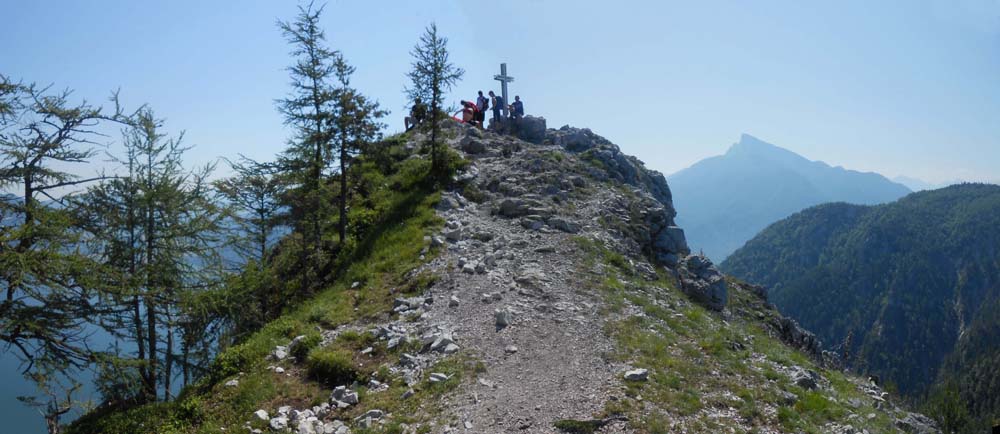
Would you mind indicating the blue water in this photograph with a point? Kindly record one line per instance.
(18, 418)
(21, 419)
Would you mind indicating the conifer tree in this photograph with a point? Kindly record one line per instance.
(432, 75)
(46, 284)
(356, 125)
(308, 110)
(155, 229)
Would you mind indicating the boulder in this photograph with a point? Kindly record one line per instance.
(532, 223)
(279, 423)
(280, 352)
(671, 239)
(442, 341)
(409, 360)
(701, 281)
(366, 420)
(453, 234)
(795, 336)
(261, 414)
(335, 427)
(342, 395)
(473, 146)
(513, 208)
(805, 378)
(502, 318)
(563, 225)
(914, 423)
(530, 129)
(637, 375)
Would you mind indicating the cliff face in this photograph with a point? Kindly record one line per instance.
(555, 293)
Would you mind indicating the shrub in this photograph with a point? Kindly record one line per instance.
(301, 349)
(332, 367)
(231, 361)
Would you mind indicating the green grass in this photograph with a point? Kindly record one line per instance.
(571, 426)
(332, 367)
(696, 364)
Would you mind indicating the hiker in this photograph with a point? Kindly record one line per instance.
(482, 104)
(497, 103)
(469, 112)
(417, 114)
(517, 108)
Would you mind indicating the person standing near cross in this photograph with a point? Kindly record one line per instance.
(498, 105)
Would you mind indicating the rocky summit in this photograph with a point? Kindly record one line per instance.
(556, 294)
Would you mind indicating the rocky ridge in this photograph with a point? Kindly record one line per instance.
(515, 291)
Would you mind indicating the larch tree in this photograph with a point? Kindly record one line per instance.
(155, 228)
(47, 285)
(308, 109)
(432, 75)
(356, 124)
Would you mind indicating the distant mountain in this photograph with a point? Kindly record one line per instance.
(916, 283)
(727, 199)
(916, 184)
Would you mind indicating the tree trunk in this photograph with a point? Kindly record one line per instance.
(185, 362)
(149, 386)
(150, 287)
(343, 191)
(168, 351)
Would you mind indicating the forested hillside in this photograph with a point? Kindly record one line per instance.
(907, 291)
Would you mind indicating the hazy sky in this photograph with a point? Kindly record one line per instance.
(906, 87)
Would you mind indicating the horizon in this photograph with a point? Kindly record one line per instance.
(901, 90)
(158, 276)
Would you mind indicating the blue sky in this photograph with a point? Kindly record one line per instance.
(898, 87)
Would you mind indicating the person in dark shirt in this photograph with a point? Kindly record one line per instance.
(497, 105)
(517, 108)
(417, 114)
(482, 104)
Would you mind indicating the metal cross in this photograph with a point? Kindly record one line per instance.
(503, 78)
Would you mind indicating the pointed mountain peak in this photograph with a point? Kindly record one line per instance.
(752, 146)
(748, 140)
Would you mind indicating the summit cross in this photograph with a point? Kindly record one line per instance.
(503, 78)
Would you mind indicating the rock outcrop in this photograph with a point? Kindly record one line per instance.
(666, 239)
(701, 281)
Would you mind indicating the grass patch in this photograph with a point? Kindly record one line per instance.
(332, 366)
(578, 426)
(699, 360)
